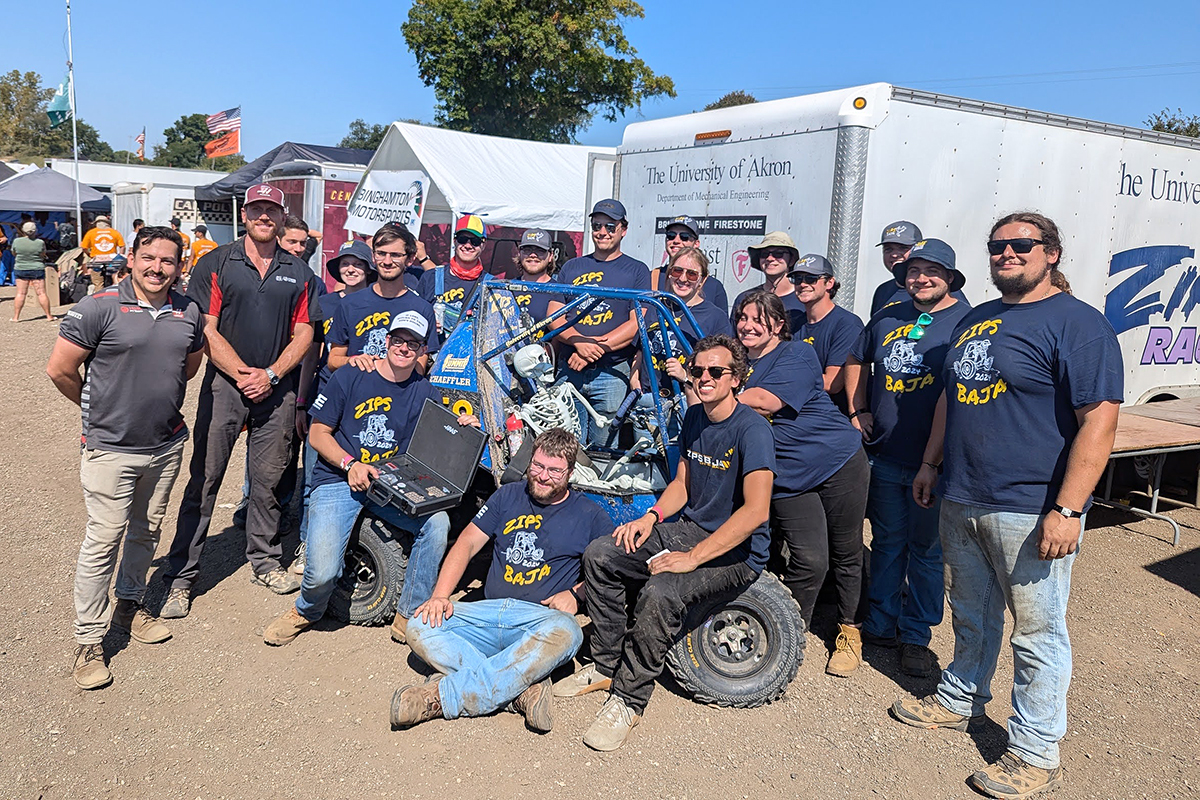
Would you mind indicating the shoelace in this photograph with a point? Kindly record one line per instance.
(93, 652)
(842, 643)
(616, 711)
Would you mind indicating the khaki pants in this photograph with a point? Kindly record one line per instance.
(126, 496)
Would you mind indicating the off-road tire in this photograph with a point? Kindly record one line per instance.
(376, 560)
(742, 649)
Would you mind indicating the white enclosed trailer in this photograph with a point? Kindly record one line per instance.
(158, 203)
(833, 169)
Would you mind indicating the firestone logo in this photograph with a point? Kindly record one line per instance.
(741, 265)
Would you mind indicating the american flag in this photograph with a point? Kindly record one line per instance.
(228, 120)
(141, 143)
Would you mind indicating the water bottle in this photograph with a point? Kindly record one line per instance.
(515, 434)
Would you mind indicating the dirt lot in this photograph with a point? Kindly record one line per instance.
(214, 713)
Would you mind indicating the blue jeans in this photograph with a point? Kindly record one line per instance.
(309, 463)
(605, 388)
(492, 650)
(993, 562)
(334, 509)
(904, 547)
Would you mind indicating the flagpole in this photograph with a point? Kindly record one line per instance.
(74, 115)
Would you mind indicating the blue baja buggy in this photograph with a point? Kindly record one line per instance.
(741, 649)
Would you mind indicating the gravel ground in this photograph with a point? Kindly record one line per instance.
(214, 713)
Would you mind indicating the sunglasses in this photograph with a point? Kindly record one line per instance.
(466, 238)
(917, 332)
(997, 247)
(779, 254)
(404, 344)
(684, 272)
(533, 251)
(683, 236)
(715, 373)
(804, 277)
(611, 227)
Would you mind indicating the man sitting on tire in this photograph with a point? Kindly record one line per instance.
(363, 417)
(722, 492)
(503, 649)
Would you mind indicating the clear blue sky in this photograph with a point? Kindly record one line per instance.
(303, 74)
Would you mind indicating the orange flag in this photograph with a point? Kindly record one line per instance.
(227, 145)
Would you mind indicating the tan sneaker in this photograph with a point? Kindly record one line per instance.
(133, 618)
(399, 629)
(278, 580)
(612, 726)
(286, 627)
(1011, 777)
(847, 652)
(586, 679)
(416, 703)
(90, 670)
(178, 604)
(536, 704)
(927, 712)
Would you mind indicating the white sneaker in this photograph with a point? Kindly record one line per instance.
(587, 679)
(297, 567)
(612, 726)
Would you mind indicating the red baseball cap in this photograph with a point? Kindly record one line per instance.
(264, 193)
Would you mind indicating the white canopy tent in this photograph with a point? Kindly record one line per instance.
(509, 182)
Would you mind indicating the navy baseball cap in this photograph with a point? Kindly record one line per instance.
(935, 251)
(900, 232)
(610, 208)
(353, 248)
(812, 264)
(685, 221)
(535, 237)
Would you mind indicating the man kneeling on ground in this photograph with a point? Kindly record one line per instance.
(722, 491)
(363, 417)
(503, 649)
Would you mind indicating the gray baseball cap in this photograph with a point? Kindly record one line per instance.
(535, 237)
(352, 248)
(900, 232)
(812, 264)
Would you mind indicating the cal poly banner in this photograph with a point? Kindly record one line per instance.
(388, 196)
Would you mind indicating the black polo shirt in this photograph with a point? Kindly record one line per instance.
(136, 374)
(257, 316)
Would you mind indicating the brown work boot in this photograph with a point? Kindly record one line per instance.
(286, 627)
(536, 705)
(847, 652)
(1012, 777)
(416, 703)
(929, 713)
(133, 618)
(90, 669)
(399, 629)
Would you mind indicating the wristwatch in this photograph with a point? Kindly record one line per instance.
(1067, 512)
(272, 377)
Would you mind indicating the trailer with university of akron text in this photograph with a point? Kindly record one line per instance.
(833, 169)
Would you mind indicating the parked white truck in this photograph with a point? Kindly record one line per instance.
(835, 168)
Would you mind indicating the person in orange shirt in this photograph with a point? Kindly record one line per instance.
(187, 242)
(203, 244)
(103, 243)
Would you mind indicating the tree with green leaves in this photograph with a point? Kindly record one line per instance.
(737, 98)
(1176, 122)
(530, 69)
(363, 135)
(23, 120)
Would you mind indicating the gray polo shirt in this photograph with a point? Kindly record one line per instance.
(136, 375)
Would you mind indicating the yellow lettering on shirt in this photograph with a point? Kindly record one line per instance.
(597, 318)
(372, 405)
(899, 333)
(366, 457)
(371, 320)
(528, 576)
(587, 278)
(902, 385)
(977, 397)
(523, 522)
(986, 327)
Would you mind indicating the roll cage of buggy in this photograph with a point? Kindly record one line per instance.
(740, 649)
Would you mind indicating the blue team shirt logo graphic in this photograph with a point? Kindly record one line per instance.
(1159, 282)
(903, 358)
(975, 364)
(524, 550)
(376, 344)
(375, 434)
